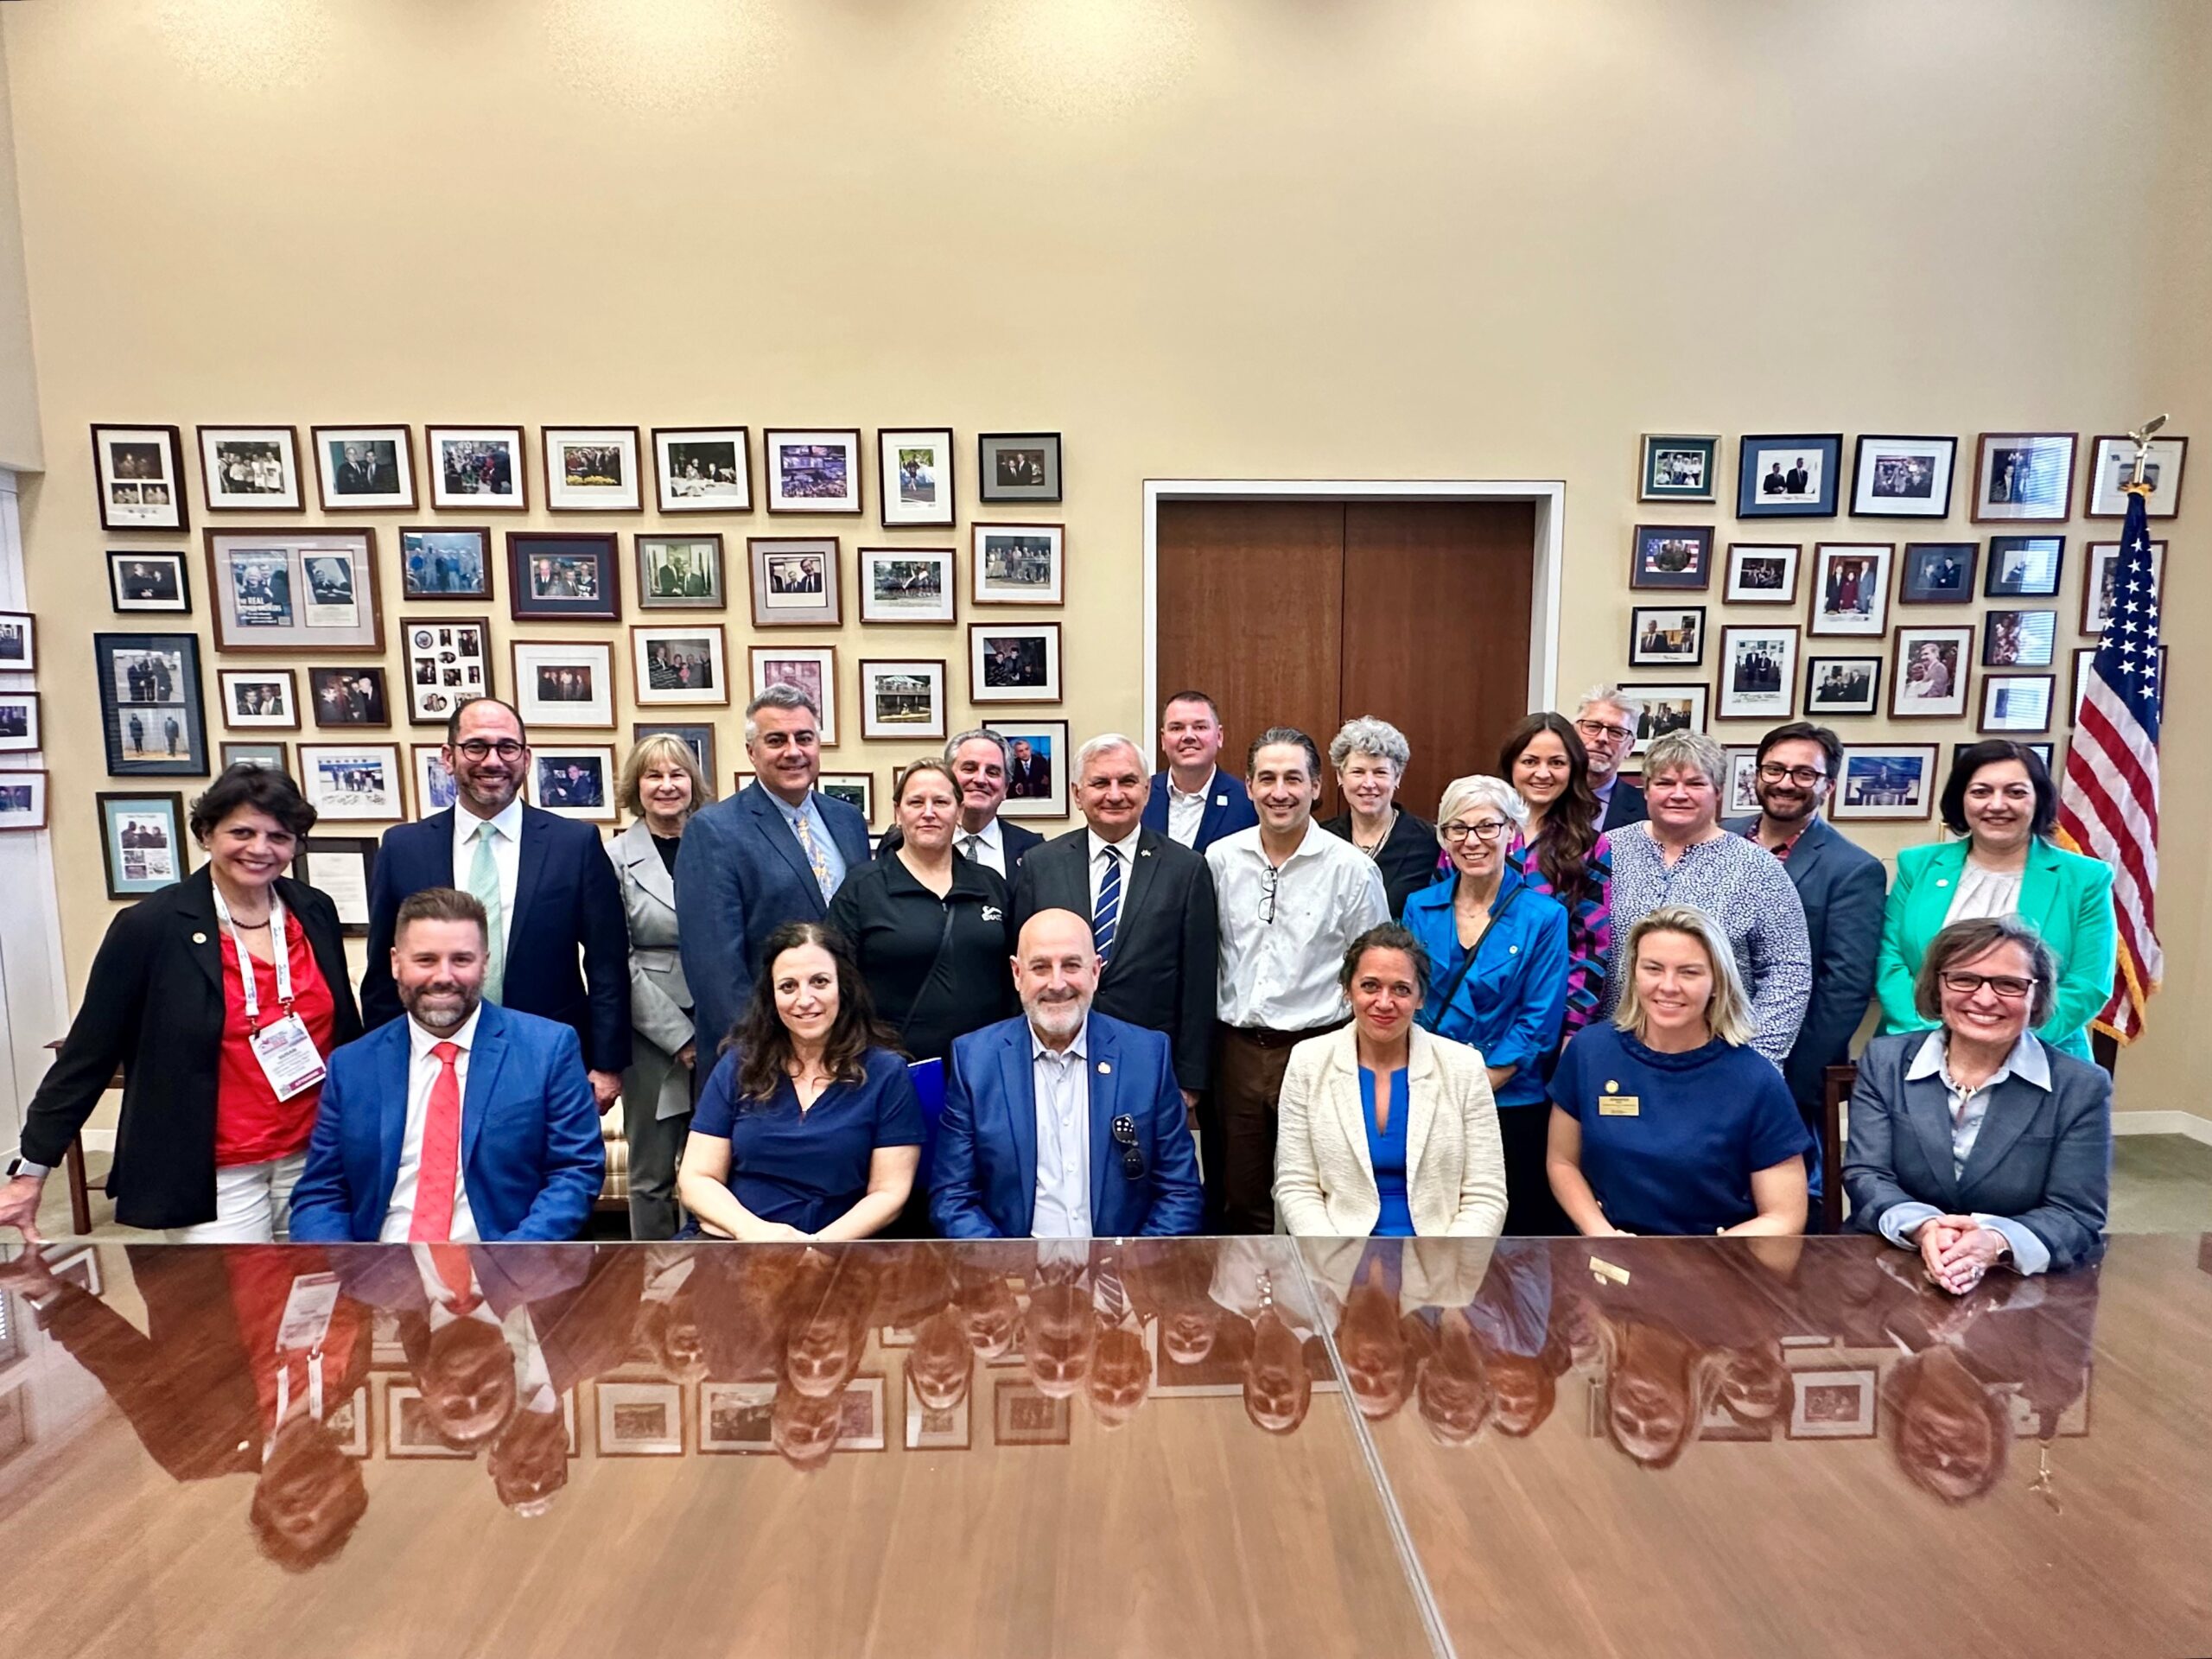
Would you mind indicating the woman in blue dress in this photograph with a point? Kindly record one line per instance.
(808, 1127)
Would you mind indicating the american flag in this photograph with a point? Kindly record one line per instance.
(2108, 801)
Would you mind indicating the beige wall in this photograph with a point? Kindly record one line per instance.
(1407, 238)
(20, 448)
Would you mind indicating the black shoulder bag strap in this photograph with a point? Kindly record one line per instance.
(1459, 978)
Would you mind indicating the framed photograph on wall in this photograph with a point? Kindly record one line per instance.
(151, 715)
(2097, 580)
(1018, 465)
(1937, 573)
(366, 468)
(1678, 468)
(313, 591)
(591, 468)
(2015, 704)
(260, 699)
(352, 697)
(1928, 673)
(811, 669)
(679, 573)
(478, 468)
(2023, 476)
(2113, 465)
(19, 723)
(553, 576)
(1668, 706)
(354, 782)
(905, 585)
(1666, 636)
(18, 642)
(435, 789)
(1017, 564)
(795, 581)
(699, 738)
(148, 582)
(903, 698)
(817, 470)
(1672, 556)
(2019, 638)
(140, 472)
(2025, 566)
(680, 664)
(276, 754)
(1762, 573)
(1758, 674)
(574, 780)
(564, 682)
(704, 468)
(915, 465)
(343, 867)
(438, 562)
(1016, 662)
(22, 800)
(1842, 685)
(448, 663)
(1851, 587)
(1885, 780)
(1037, 776)
(1902, 478)
(251, 468)
(1742, 795)
(855, 789)
(1781, 475)
(142, 842)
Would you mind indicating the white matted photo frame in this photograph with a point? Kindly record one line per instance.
(564, 683)
(148, 582)
(678, 665)
(251, 468)
(1018, 465)
(812, 469)
(19, 723)
(260, 699)
(1677, 467)
(2014, 705)
(1851, 590)
(903, 586)
(1666, 636)
(276, 754)
(1017, 564)
(1885, 780)
(1902, 478)
(1836, 686)
(448, 663)
(354, 782)
(1037, 773)
(811, 669)
(1929, 670)
(435, 789)
(1668, 706)
(915, 470)
(1763, 572)
(1833, 1405)
(2112, 464)
(1742, 795)
(1013, 662)
(704, 468)
(478, 468)
(139, 471)
(1758, 673)
(591, 468)
(795, 581)
(365, 468)
(2097, 579)
(735, 1418)
(303, 591)
(901, 698)
(18, 642)
(2023, 477)
(574, 780)
(142, 841)
(680, 572)
(932, 1428)
(22, 800)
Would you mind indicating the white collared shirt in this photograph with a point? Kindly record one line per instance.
(1278, 960)
(1969, 1109)
(1125, 850)
(1184, 811)
(986, 846)
(421, 1073)
(1062, 1083)
(506, 855)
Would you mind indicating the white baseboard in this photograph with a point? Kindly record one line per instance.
(2166, 1122)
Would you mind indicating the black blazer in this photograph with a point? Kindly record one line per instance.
(1160, 971)
(154, 1005)
(1624, 806)
(1407, 857)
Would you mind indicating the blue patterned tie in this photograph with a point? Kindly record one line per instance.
(1109, 903)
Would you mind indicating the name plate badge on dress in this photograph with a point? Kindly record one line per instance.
(1620, 1105)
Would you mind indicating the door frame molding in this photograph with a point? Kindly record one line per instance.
(1548, 496)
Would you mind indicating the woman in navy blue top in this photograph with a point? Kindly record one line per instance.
(1666, 1121)
(808, 1127)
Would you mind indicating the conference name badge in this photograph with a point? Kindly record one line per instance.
(1613, 1104)
(308, 1308)
(287, 1056)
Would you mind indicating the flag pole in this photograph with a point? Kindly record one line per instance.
(2136, 485)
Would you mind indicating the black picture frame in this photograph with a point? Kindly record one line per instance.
(698, 736)
(178, 565)
(2000, 580)
(1836, 706)
(1759, 454)
(1937, 573)
(178, 656)
(525, 604)
(329, 847)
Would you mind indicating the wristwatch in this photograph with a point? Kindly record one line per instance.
(25, 1167)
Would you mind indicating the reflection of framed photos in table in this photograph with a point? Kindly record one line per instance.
(2023, 476)
(1018, 465)
(2012, 704)
(251, 468)
(936, 1429)
(1937, 573)
(1758, 674)
(903, 699)
(311, 592)
(1842, 685)
(1929, 672)
(148, 582)
(1017, 564)
(260, 699)
(680, 572)
(448, 663)
(342, 866)
(1838, 1405)
(564, 682)
(1671, 555)
(809, 668)
(736, 1417)
(140, 472)
(704, 468)
(795, 581)
(359, 782)
(915, 465)
(2024, 566)
(2100, 577)
(679, 663)
(365, 468)
(1851, 589)
(1902, 478)
(2112, 464)
(478, 469)
(1678, 468)
(1762, 573)
(1017, 662)
(445, 562)
(1023, 1415)
(142, 842)
(639, 1419)
(1039, 756)
(1885, 780)
(151, 715)
(22, 800)
(1783, 475)
(906, 585)
(591, 468)
(817, 470)
(555, 576)
(1666, 636)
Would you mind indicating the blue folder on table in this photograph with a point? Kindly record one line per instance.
(929, 1087)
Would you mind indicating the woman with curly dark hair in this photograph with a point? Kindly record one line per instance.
(1561, 853)
(808, 1127)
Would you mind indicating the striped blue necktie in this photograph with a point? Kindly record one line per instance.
(1109, 903)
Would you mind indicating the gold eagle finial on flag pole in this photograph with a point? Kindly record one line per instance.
(2142, 434)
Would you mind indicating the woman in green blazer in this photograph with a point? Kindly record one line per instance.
(2000, 801)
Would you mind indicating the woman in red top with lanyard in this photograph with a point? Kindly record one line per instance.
(221, 1069)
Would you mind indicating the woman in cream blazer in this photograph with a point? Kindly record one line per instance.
(1453, 1168)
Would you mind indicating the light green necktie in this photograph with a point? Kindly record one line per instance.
(484, 882)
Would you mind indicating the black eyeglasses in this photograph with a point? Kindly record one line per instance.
(1270, 878)
(1774, 772)
(1125, 1137)
(477, 749)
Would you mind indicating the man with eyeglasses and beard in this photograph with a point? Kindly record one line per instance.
(1841, 887)
(545, 884)
(1062, 1123)
(1607, 721)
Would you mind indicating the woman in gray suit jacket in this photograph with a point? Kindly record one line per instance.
(662, 785)
(1979, 1142)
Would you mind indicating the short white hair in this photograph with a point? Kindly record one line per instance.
(1479, 789)
(1097, 745)
(1629, 705)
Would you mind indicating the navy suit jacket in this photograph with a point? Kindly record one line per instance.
(1624, 806)
(1228, 809)
(984, 1183)
(531, 1158)
(1843, 890)
(566, 896)
(740, 874)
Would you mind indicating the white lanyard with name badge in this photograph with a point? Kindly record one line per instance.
(285, 1050)
(308, 1308)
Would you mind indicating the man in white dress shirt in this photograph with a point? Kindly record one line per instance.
(1290, 899)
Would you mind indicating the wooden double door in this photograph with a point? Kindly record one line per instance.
(1309, 614)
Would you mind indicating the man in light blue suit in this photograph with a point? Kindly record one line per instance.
(775, 852)
(1193, 801)
(463, 1121)
(1063, 1123)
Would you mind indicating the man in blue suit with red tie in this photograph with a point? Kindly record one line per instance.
(1193, 801)
(1062, 1123)
(463, 1121)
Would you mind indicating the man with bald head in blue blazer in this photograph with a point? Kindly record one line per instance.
(1062, 1123)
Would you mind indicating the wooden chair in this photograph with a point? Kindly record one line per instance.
(73, 1170)
(1836, 1084)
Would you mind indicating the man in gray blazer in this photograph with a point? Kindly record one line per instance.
(1841, 887)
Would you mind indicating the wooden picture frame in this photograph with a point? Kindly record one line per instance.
(2016, 705)
(703, 468)
(1763, 685)
(1666, 636)
(564, 704)
(1848, 594)
(2097, 579)
(1900, 477)
(143, 846)
(1885, 781)
(915, 477)
(1017, 564)
(448, 662)
(2019, 639)
(679, 571)
(1678, 468)
(903, 698)
(18, 642)
(697, 736)
(906, 586)
(22, 798)
(1831, 689)
(250, 468)
(566, 449)
(1017, 467)
(2111, 461)
(381, 480)
(266, 589)
(795, 581)
(1789, 474)
(855, 789)
(353, 782)
(1663, 700)
(1672, 557)
(343, 868)
(356, 698)
(1763, 572)
(19, 725)
(236, 686)
(1003, 667)
(477, 468)
(1048, 740)
(126, 459)
(1937, 573)
(440, 562)
(136, 585)
(574, 780)
(276, 754)
(812, 469)
(672, 676)
(1952, 649)
(813, 669)
(2024, 477)
(540, 564)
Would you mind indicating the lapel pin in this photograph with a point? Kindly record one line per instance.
(1221, 800)
(199, 938)
(1104, 1070)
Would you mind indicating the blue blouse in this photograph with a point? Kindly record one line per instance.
(1510, 1003)
(1386, 1150)
(805, 1169)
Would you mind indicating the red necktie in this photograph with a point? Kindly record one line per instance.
(437, 1173)
(451, 1261)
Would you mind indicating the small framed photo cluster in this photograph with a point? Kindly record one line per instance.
(448, 663)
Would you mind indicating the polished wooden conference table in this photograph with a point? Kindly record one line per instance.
(1209, 1447)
